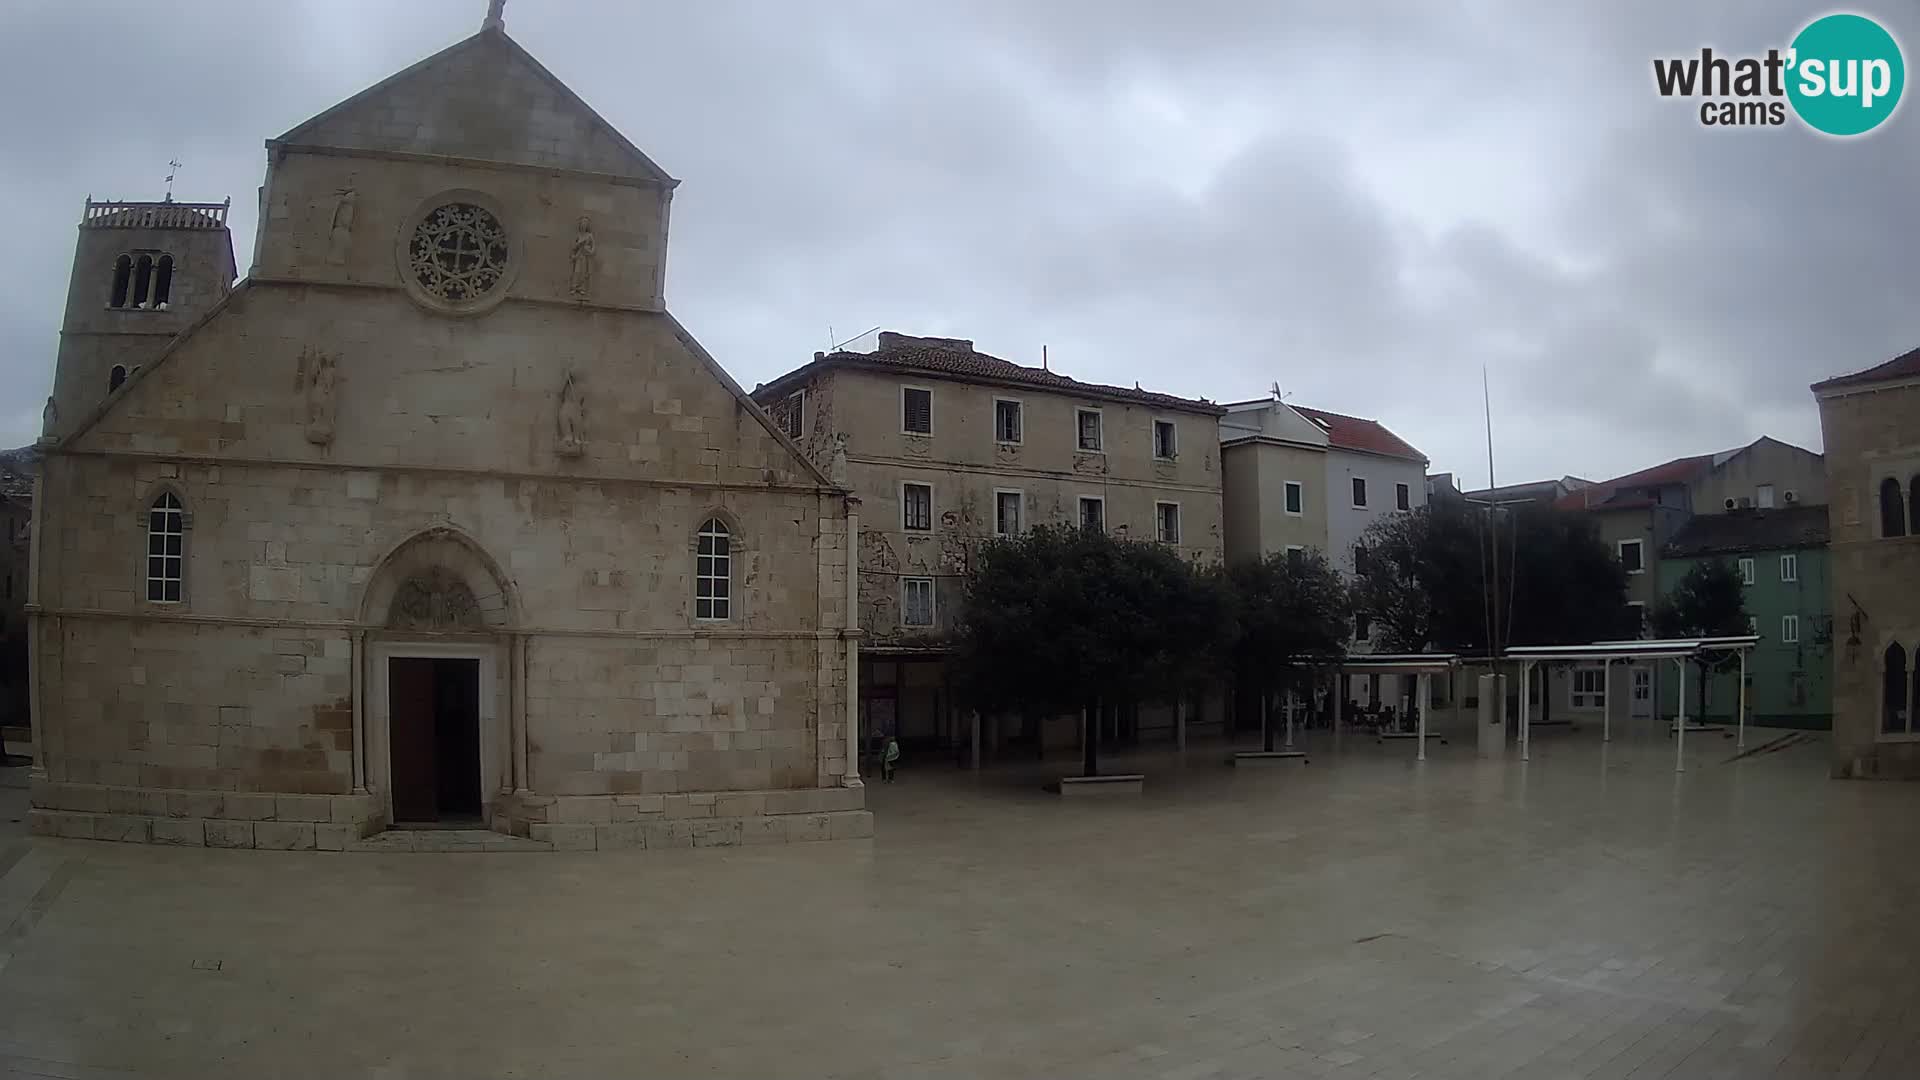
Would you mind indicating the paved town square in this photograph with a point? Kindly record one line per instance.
(1589, 913)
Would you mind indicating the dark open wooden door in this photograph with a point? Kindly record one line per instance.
(411, 713)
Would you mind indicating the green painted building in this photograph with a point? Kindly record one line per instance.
(1782, 555)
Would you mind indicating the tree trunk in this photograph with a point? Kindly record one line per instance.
(1266, 722)
(1089, 743)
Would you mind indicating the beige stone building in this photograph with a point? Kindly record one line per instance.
(438, 516)
(1870, 422)
(946, 446)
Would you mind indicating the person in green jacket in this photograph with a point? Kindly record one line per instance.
(887, 757)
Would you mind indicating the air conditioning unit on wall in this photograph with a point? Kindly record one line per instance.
(1729, 504)
(1789, 495)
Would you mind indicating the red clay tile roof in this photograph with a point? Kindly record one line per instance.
(1356, 433)
(1904, 366)
(959, 360)
(1624, 492)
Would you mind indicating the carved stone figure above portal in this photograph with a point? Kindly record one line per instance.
(580, 281)
(317, 381)
(573, 419)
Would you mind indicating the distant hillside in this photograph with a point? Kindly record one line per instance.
(18, 467)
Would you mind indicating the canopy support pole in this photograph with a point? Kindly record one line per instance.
(1680, 724)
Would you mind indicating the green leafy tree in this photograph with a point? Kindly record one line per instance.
(1709, 600)
(1292, 616)
(1422, 580)
(1061, 620)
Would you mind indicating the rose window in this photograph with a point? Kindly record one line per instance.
(459, 253)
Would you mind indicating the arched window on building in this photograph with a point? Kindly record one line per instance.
(143, 281)
(115, 377)
(1913, 506)
(1893, 703)
(1893, 515)
(713, 571)
(166, 548)
(162, 282)
(122, 280)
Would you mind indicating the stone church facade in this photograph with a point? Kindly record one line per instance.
(439, 515)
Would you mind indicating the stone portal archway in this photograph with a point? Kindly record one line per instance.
(439, 581)
(439, 612)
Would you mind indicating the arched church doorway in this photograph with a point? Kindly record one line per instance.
(440, 610)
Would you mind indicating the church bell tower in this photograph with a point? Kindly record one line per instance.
(142, 273)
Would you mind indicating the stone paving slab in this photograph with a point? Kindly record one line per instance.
(1588, 914)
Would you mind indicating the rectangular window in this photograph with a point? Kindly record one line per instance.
(1763, 496)
(1163, 440)
(1087, 421)
(1093, 513)
(1359, 492)
(1753, 624)
(1589, 687)
(1006, 513)
(793, 421)
(1362, 626)
(1746, 571)
(1637, 610)
(1359, 558)
(1006, 421)
(916, 507)
(916, 601)
(916, 410)
(1167, 515)
(1296, 498)
(1402, 497)
(1790, 629)
(1631, 556)
(1296, 556)
(1789, 568)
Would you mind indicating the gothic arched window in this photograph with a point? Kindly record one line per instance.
(713, 571)
(115, 377)
(122, 279)
(142, 281)
(166, 548)
(162, 282)
(1893, 694)
(1893, 515)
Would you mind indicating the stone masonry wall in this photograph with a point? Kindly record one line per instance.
(1868, 436)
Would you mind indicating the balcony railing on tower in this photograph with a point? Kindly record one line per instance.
(155, 215)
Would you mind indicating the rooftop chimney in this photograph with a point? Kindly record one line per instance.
(892, 340)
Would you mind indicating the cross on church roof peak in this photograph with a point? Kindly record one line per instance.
(496, 15)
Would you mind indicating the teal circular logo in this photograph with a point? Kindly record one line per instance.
(1845, 74)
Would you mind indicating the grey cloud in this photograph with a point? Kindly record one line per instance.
(1366, 202)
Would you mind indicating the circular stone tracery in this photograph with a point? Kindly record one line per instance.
(459, 253)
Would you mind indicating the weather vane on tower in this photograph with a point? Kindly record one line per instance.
(496, 15)
(173, 166)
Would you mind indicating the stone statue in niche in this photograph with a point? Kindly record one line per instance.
(317, 380)
(573, 419)
(837, 459)
(436, 600)
(340, 233)
(580, 281)
(49, 418)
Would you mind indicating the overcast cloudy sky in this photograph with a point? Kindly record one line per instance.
(1362, 201)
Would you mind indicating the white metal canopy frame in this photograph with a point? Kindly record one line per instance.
(1678, 650)
(1423, 666)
